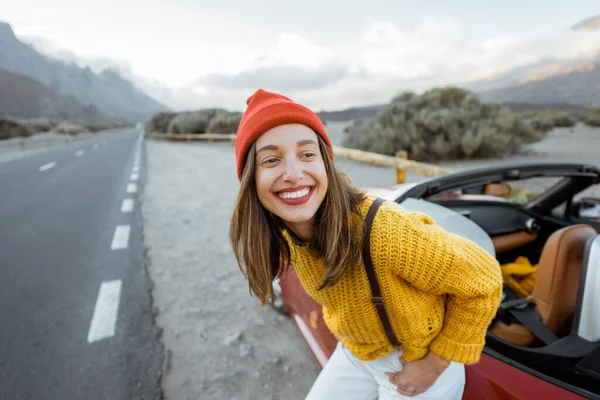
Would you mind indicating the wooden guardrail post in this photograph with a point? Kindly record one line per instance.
(400, 175)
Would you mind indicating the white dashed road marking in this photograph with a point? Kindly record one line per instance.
(121, 237)
(47, 166)
(79, 153)
(96, 146)
(127, 206)
(136, 168)
(131, 188)
(134, 177)
(105, 311)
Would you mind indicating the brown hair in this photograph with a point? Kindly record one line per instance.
(257, 238)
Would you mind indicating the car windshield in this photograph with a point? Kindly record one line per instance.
(513, 191)
(526, 190)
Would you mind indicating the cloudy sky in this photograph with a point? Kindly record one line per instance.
(328, 53)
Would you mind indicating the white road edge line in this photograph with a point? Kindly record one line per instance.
(136, 168)
(79, 153)
(131, 188)
(127, 206)
(134, 176)
(106, 310)
(121, 237)
(47, 166)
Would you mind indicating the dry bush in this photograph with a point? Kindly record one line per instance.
(441, 124)
(225, 123)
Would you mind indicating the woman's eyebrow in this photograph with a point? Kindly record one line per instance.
(306, 141)
(273, 147)
(267, 147)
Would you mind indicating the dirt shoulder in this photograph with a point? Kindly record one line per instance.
(219, 343)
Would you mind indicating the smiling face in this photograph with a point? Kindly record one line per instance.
(291, 179)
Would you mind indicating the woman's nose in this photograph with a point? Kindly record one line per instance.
(293, 172)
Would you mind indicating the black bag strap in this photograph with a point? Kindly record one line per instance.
(377, 298)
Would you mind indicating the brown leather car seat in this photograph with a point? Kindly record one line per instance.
(556, 286)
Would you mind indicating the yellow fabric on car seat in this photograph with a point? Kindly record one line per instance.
(520, 276)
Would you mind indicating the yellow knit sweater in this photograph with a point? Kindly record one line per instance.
(441, 291)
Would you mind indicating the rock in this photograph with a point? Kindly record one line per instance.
(245, 349)
(275, 361)
(234, 339)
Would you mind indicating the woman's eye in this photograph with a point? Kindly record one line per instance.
(309, 155)
(270, 161)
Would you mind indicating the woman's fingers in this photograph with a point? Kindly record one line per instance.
(404, 387)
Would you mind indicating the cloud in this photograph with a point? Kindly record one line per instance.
(385, 60)
(388, 59)
(278, 78)
(294, 64)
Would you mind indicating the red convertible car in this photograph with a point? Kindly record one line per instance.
(545, 345)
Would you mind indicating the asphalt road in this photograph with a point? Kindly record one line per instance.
(76, 316)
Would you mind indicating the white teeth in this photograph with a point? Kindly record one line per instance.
(294, 195)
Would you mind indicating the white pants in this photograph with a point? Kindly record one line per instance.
(346, 377)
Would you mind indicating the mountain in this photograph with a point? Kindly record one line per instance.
(107, 90)
(23, 97)
(592, 23)
(577, 85)
(179, 98)
(575, 82)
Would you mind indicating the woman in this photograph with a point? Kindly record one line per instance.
(440, 290)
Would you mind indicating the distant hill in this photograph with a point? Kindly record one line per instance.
(23, 97)
(575, 82)
(354, 113)
(521, 107)
(580, 86)
(108, 91)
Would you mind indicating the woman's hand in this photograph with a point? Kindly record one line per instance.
(418, 376)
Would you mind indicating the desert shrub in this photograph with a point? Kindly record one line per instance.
(69, 128)
(225, 123)
(441, 124)
(194, 121)
(548, 119)
(36, 125)
(159, 122)
(564, 120)
(592, 120)
(10, 128)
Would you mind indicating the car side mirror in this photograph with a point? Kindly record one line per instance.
(497, 189)
(589, 207)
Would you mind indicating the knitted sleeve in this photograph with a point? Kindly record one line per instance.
(439, 262)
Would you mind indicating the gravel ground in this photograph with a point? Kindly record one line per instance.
(219, 343)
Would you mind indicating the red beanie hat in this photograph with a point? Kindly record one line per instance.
(265, 111)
